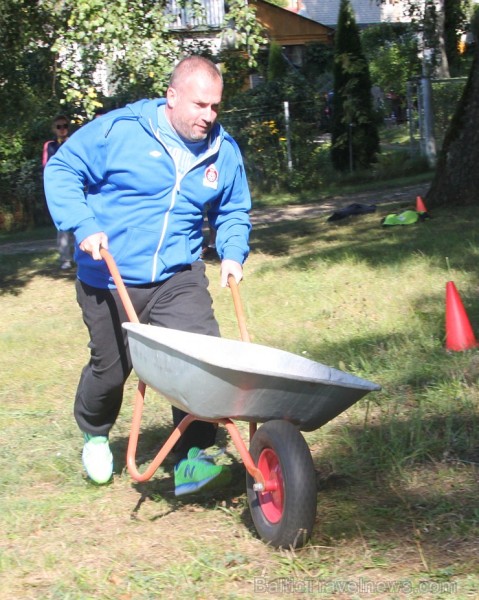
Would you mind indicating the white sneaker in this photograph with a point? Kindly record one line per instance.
(66, 265)
(97, 458)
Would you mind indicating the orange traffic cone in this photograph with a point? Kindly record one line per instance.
(420, 206)
(459, 334)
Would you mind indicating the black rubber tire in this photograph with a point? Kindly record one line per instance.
(292, 526)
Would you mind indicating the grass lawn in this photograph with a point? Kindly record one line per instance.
(397, 473)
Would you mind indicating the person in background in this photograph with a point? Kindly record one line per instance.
(65, 239)
(150, 169)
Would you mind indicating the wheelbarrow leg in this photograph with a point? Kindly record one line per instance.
(134, 435)
(248, 462)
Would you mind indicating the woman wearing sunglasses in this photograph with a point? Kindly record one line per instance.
(65, 240)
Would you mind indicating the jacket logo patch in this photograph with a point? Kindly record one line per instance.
(211, 177)
(155, 153)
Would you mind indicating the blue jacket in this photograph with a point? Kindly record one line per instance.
(116, 175)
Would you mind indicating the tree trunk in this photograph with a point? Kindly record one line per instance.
(456, 179)
(443, 66)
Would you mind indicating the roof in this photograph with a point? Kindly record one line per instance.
(288, 28)
(366, 12)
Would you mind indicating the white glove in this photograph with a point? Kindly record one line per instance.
(230, 267)
(93, 243)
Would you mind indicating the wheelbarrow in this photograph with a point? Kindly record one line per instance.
(222, 381)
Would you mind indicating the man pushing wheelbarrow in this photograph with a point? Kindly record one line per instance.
(136, 182)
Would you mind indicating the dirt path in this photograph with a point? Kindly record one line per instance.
(406, 194)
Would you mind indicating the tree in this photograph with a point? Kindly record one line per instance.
(132, 44)
(277, 65)
(440, 23)
(242, 40)
(392, 53)
(127, 48)
(456, 18)
(75, 55)
(25, 97)
(456, 178)
(317, 64)
(354, 135)
(25, 87)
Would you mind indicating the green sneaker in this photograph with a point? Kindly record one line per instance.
(97, 458)
(199, 472)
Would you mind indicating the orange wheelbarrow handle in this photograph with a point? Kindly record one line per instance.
(120, 286)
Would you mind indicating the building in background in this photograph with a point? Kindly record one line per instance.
(366, 12)
(291, 31)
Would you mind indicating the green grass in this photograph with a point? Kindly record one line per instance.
(397, 472)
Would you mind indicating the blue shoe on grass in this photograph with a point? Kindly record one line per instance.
(199, 472)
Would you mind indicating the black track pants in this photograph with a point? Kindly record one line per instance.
(182, 302)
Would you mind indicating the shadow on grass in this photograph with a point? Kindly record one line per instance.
(386, 445)
(17, 270)
(366, 490)
(408, 482)
(404, 498)
(162, 482)
(448, 234)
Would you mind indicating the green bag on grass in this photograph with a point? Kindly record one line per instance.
(408, 217)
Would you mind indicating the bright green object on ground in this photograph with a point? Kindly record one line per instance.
(199, 472)
(408, 217)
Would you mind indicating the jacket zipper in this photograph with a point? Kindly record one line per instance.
(176, 189)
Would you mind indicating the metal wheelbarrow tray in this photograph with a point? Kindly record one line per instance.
(216, 378)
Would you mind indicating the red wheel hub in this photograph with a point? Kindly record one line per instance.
(272, 500)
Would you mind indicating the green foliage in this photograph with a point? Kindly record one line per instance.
(446, 95)
(256, 119)
(355, 140)
(24, 39)
(126, 51)
(280, 3)
(425, 17)
(318, 62)
(76, 56)
(242, 41)
(475, 22)
(29, 96)
(277, 65)
(266, 158)
(243, 31)
(392, 54)
(456, 177)
(21, 190)
(235, 70)
(130, 43)
(456, 17)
